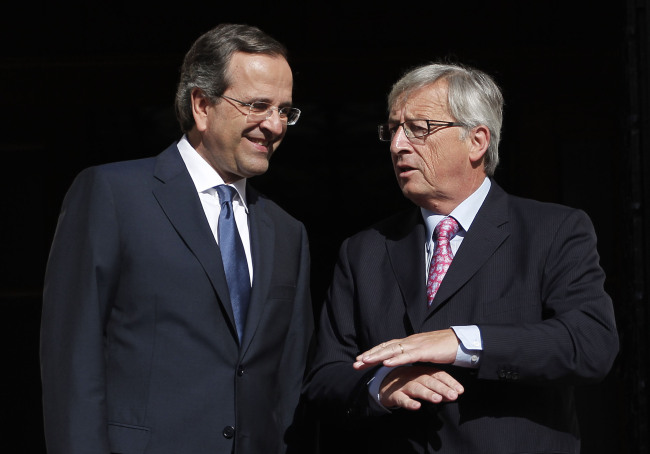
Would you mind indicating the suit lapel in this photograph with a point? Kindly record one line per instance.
(408, 271)
(262, 234)
(487, 233)
(178, 199)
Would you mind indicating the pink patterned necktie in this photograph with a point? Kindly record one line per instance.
(444, 231)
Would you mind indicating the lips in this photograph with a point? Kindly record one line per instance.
(261, 144)
(402, 169)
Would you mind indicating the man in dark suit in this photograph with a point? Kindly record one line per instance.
(150, 342)
(469, 339)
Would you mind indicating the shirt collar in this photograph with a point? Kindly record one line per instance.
(463, 213)
(205, 178)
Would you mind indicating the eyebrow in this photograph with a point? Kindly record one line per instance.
(397, 121)
(268, 101)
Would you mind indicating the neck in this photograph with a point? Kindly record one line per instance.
(446, 203)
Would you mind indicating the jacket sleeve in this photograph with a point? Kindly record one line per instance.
(79, 280)
(338, 390)
(576, 341)
(295, 356)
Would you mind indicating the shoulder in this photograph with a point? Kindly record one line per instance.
(542, 219)
(259, 203)
(521, 208)
(394, 228)
(167, 163)
(121, 171)
(105, 178)
(542, 213)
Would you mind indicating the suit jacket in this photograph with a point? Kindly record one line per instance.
(139, 349)
(527, 273)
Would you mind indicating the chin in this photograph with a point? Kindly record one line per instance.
(413, 194)
(257, 169)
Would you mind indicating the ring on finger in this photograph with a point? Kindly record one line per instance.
(401, 348)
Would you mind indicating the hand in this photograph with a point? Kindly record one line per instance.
(438, 347)
(405, 387)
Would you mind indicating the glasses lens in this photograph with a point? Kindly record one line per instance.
(260, 111)
(385, 134)
(259, 108)
(290, 115)
(416, 128)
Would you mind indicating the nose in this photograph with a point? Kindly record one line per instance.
(400, 142)
(273, 123)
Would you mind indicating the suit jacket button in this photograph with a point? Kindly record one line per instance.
(228, 432)
(240, 371)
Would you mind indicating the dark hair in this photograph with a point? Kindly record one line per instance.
(205, 65)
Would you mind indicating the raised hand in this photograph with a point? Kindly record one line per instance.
(438, 347)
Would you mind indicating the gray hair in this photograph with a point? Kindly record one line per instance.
(206, 64)
(473, 99)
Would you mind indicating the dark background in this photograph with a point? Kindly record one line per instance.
(88, 84)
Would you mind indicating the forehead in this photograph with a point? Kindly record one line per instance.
(429, 102)
(260, 76)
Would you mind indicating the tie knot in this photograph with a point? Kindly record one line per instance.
(226, 193)
(446, 228)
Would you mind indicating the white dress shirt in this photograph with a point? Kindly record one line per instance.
(205, 179)
(468, 354)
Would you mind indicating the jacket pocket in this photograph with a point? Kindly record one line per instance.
(127, 439)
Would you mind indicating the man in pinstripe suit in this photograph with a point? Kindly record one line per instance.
(488, 363)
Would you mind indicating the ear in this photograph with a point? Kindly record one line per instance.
(200, 106)
(479, 139)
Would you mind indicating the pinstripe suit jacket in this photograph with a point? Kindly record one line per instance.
(528, 274)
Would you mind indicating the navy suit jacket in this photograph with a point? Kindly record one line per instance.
(527, 273)
(139, 350)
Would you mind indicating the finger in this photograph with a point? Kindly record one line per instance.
(360, 365)
(381, 352)
(406, 355)
(369, 352)
(435, 390)
(399, 399)
(448, 381)
(364, 360)
(407, 387)
(378, 349)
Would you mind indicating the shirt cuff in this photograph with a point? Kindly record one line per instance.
(375, 383)
(470, 347)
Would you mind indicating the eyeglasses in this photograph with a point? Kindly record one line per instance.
(260, 111)
(414, 129)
